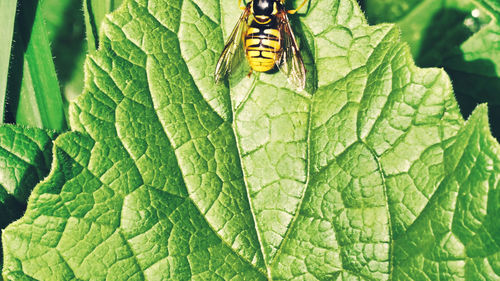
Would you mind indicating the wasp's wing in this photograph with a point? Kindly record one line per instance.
(290, 62)
(233, 53)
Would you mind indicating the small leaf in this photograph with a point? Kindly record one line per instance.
(25, 159)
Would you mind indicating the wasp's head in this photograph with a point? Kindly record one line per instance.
(265, 8)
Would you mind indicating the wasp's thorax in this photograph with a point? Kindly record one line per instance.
(268, 41)
(263, 10)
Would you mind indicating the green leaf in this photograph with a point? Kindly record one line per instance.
(370, 174)
(7, 17)
(33, 85)
(25, 158)
(26, 155)
(462, 36)
(458, 230)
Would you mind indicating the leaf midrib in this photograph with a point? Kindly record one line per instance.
(234, 111)
(270, 264)
(311, 100)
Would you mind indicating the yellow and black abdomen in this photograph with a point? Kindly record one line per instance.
(262, 46)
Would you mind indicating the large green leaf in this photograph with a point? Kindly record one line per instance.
(370, 174)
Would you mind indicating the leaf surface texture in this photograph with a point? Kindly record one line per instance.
(370, 174)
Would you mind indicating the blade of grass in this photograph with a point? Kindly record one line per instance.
(95, 11)
(7, 19)
(65, 25)
(39, 102)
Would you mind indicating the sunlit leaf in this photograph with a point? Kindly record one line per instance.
(370, 174)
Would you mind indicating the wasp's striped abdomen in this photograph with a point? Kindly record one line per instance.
(262, 46)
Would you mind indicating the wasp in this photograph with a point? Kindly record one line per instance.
(264, 36)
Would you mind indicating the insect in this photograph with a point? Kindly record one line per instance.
(263, 35)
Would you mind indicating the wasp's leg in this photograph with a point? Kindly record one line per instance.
(298, 8)
(241, 7)
(250, 73)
